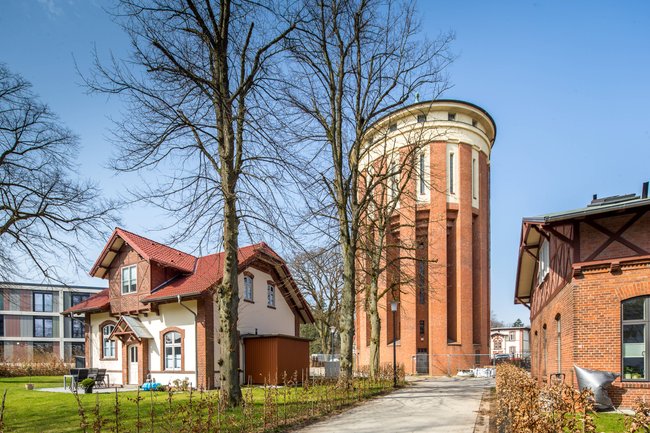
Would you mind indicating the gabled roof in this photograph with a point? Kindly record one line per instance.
(209, 271)
(95, 303)
(147, 248)
(532, 237)
(197, 275)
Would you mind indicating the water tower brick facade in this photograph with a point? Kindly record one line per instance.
(443, 233)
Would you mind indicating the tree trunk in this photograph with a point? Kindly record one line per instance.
(346, 322)
(228, 305)
(375, 329)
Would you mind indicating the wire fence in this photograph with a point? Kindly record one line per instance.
(450, 364)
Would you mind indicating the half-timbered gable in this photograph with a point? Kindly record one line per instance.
(577, 272)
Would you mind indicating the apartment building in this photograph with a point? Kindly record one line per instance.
(31, 324)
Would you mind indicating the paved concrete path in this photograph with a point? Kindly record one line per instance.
(447, 405)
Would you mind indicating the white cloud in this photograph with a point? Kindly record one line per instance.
(51, 7)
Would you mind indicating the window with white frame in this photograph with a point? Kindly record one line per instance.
(270, 295)
(248, 288)
(512, 336)
(129, 279)
(173, 350)
(108, 345)
(543, 264)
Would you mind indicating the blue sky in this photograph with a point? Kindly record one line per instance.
(566, 82)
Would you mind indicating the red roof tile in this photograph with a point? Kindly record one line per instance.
(209, 270)
(96, 302)
(150, 250)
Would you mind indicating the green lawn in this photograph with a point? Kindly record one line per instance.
(34, 411)
(609, 422)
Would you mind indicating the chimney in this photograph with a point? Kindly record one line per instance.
(595, 197)
(644, 193)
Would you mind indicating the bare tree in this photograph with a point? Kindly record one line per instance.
(319, 274)
(353, 62)
(195, 85)
(46, 212)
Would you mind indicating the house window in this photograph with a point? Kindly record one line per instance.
(248, 288)
(497, 343)
(129, 278)
(451, 173)
(43, 327)
(108, 345)
(270, 295)
(512, 351)
(635, 341)
(43, 302)
(451, 116)
(2, 327)
(392, 127)
(173, 350)
(422, 180)
(421, 328)
(543, 267)
(421, 282)
(77, 328)
(422, 118)
(512, 336)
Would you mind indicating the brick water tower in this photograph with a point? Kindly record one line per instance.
(441, 239)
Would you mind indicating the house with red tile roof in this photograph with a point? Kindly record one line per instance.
(157, 319)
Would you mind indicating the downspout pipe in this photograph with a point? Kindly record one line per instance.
(196, 338)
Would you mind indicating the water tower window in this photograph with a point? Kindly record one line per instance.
(422, 118)
(451, 116)
(392, 127)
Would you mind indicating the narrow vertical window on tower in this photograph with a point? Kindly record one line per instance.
(422, 294)
(474, 179)
(422, 181)
(451, 173)
(393, 180)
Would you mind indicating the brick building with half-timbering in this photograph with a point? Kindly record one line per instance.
(585, 275)
(440, 234)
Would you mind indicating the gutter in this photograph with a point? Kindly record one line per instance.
(196, 337)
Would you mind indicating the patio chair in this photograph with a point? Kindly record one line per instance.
(81, 375)
(92, 373)
(100, 378)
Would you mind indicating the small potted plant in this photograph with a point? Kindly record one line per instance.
(29, 385)
(87, 384)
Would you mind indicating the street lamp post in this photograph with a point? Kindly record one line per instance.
(393, 308)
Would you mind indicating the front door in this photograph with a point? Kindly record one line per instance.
(422, 361)
(133, 365)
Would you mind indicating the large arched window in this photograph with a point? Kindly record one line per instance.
(635, 318)
(173, 350)
(108, 345)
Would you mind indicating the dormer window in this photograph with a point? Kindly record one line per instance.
(129, 278)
